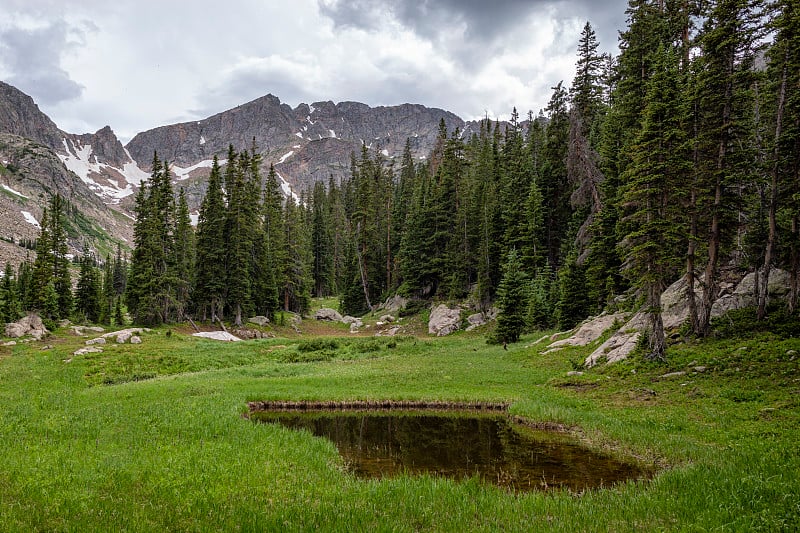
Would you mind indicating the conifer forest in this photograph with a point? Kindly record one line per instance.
(678, 157)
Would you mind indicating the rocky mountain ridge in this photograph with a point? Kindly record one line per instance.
(307, 143)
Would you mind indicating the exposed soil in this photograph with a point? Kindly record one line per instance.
(373, 405)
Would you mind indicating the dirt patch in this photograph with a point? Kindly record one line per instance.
(374, 405)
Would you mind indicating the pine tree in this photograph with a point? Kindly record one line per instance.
(238, 237)
(652, 195)
(184, 254)
(724, 79)
(209, 271)
(297, 279)
(88, 295)
(784, 160)
(512, 300)
(322, 242)
(274, 245)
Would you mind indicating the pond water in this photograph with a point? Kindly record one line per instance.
(459, 445)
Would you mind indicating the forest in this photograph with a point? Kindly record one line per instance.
(678, 157)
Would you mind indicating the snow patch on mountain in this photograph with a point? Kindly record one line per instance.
(183, 173)
(287, 189)
(80, 160)
(285, 156)
(333, 134)
(30, 219)
(202, 140)
(9, 189)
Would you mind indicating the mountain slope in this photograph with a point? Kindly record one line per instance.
(307, 143)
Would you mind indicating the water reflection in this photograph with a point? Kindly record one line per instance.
(380, 444)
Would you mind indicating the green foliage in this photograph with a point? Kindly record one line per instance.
(512, 300)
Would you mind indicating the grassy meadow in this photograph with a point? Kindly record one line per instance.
(153, 437)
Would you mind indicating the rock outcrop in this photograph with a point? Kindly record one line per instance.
(328, 314)
(444, 320)
(30, 325)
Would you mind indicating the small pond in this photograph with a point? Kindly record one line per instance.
(458, 445)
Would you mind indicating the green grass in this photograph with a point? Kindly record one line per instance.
(152, 437)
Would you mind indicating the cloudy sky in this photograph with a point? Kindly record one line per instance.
(138, 64)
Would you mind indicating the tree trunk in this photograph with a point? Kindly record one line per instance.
(656, 324)
(763, 296)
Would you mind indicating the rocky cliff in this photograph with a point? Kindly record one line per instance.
(307, 143)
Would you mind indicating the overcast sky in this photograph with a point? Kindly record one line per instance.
(138, 64)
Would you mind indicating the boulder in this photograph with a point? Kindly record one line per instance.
(85, 330)
(352, 320)
(259, 320)
(135, 339)
(98, 340)
(394, 304)
(590, 330)
(391, 332)
(479, 319)
(444, 320)
(620, 344)
(326, 313)
(217, 335)
(386, 319)
(129, 332)
(29, 325)
(88, 349)
(354, 327)
(9, 343)
(123, 337)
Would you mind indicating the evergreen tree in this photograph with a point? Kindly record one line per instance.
(88, 295)
(512, 300)
(184, 254)
(652, 195)
(274, 246)
(723, 99)
(238, 237)
(209, 271)
(322, 242)
(297, 279)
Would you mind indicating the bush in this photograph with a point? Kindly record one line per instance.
(317, 345)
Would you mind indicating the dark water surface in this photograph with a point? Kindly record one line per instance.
(459, 445)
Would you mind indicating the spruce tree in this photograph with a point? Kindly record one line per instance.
(88, 295)
(652, 224)
(209, 271)
(512, 300)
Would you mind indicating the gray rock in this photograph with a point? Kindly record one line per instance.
(135, 339)
(590, 330)
(387, 319)
(10, 343)
(123, 337)
(88, 349)
(479, 319)
(98, 340)
(328, 314)
(444, 320)
(29, 325)
(128, 332)
(391, 332)
(394, 304)
(699, 369)
(353, 328)
(352, 320)
(574, 373)
(673, 375)
(259, 320)
(620, 345)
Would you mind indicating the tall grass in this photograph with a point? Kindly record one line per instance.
(86, 446)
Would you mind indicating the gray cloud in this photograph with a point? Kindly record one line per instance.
(33, 59)
(485, 25)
